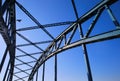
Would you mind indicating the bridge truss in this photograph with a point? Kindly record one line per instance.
(52, 45)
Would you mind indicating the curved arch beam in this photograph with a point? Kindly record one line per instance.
(101, 37)
(57, 43)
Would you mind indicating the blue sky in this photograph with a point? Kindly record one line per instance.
(104, 56)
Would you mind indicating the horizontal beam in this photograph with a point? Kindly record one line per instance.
(29, 41)
(23, 55)
(24, 64)
(42, 42)
(46, 25)
(26, 53)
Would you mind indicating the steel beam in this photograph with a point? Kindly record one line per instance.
(29, 54)
(4, 31)
(23, 63)
(46, 25)
(55, 66)
(93, 23)
(5, 6)
(29, 41)
(37, 75)
(89, 73)
(20, 78)
(42, 42)
(112, 16)
(26, 53)
(6, 72)
(22, 70)
(12, 35)
(3, 59)
(94, 10)
(43, 73)
(35, 20)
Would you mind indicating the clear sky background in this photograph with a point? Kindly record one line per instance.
(104, 56)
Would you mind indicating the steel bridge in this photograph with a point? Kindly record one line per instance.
(51, 46)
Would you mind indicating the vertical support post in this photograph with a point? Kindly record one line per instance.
(12, 35)
(55, 76)
(37, 75)
(43, 75)
(89, 74)
(112, 16)
(55, 68)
